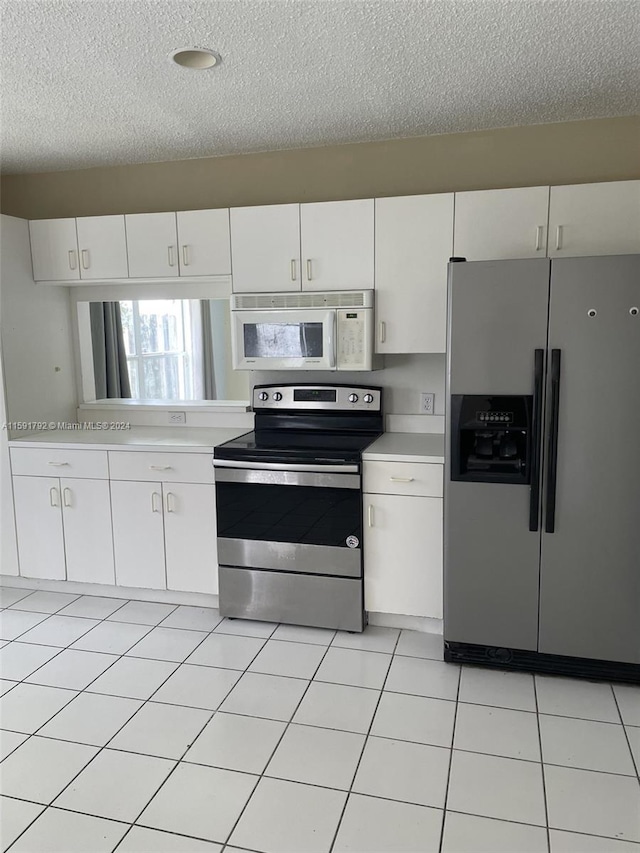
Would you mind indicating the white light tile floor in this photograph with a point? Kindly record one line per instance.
(140, 727)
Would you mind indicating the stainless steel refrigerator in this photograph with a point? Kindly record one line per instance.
(542, 479)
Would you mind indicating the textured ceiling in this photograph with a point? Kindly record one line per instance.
(88, 82)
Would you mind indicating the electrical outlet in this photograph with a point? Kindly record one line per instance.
(177, 417)
(427, 402)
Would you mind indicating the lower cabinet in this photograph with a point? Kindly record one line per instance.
(403, 541)
(64, 529)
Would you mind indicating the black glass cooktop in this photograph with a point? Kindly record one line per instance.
(296, 446)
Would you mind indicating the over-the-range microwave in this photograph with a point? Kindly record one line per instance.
(303, 331)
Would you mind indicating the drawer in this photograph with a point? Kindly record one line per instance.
(161, 467)
(403, 478)
(59, 462)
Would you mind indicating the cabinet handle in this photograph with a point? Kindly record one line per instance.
(559, 237)
(66, 497)
(159, 467)
(73, 261)
(170, 255)
(382, 333)
(53, 496)
(86, 261)
(294, 274)
(370, 515)
(401, 479)
(309, 270)
(154, 507)
(185, 255)
(539, 235)
(170, 503)
(57, 464)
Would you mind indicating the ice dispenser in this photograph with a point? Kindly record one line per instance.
(491, 438)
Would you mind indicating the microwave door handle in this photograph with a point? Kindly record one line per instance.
(332, 341)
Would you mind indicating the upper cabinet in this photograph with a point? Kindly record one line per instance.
(497, 224)
(102, 247)
(595, 219)
(265, 248)
(152, 245)
(413, 243)
(203, 239)
(54, 249)
(337, 245)
(323, 246)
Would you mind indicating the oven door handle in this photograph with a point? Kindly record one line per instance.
(287, 466)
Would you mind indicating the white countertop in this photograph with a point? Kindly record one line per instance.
(406, 447)
(176, 439)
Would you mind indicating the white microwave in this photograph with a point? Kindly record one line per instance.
(303, 331)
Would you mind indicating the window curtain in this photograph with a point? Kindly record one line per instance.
(109, 354)
(203, 352)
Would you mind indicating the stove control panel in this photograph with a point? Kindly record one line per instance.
(317, 397)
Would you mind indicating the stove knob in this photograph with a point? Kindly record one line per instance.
(353, 398)
(368, 398)
(277, 396)
(263, 395)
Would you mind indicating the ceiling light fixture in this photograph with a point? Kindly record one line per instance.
(199, 58)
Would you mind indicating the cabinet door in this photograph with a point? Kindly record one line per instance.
(86, 514)
(204, 243)
(595, 219)
(103, 247)
(337, 245)
(38, 512)
(495, 224)
(265, 248)
(152, 245)
(190, 537)
(54, 249)
(138, 539)
(403, 555)
(414, 241)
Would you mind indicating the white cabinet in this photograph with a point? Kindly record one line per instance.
(102, 247)
(337, 245)
(203, 239)
(265, 248)
(54, 249)
(497, 224)
(152, 245)
(413, 244)
(190, 537)
(64, 522)
(403, 538)
(595, 219)
(138, 534)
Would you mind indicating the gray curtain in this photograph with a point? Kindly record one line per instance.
(208, 374)
(109, 355)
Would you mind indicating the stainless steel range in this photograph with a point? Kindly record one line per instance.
(289, 506)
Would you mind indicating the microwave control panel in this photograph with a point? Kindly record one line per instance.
(355, 344)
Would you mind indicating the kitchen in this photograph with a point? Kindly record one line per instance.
(513, 193)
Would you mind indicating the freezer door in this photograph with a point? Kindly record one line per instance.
(590, 569)
(497, 320)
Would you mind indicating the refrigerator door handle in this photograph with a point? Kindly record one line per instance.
(552, 443)
(534, 494)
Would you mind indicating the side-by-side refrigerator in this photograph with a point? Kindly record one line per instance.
(542, 477)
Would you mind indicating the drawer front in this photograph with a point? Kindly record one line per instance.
(161, 467)
(60, 462)
(403, 478)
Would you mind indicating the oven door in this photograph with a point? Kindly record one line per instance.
(290, 518)
(284, 340)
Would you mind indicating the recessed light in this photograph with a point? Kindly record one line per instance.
(199, 58)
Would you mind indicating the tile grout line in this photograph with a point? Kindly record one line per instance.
(542, 768)
(453, 737)
(636, 764)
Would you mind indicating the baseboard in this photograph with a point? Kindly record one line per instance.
(409, 623)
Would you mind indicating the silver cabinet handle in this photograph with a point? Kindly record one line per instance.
(170, 256)
(86, 262)
(53, 496)
(57, 464)
(382, 334)
(66, 497)
(539, 235)
(559, 237)
(401, 479)
(294, 274)
(309, 270)
(73, 260)
(370, 515)
(170, 502)
(159, 467)
(154, 506)
(185, 255)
